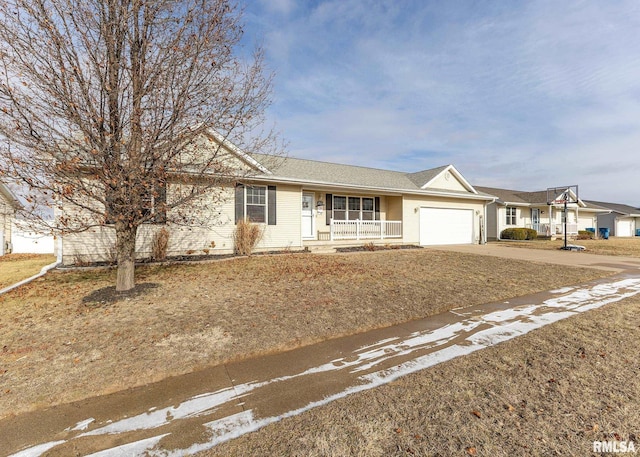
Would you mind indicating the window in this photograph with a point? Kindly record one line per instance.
(256, 203)
(367, 209)
(152, 209)
(352, 208)
(511, 215)
(339, 208)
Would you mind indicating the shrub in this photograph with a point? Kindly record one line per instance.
(586, 235)
(160, 244)
(369, 246)
(518, 233)
(246, 236)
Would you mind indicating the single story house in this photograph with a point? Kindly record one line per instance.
(8, 206)
(622, 220)
(513, 208)
(309, 204)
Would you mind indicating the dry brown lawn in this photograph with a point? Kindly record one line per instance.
(61, 343)
(629, 247)
(16, 267)
(551, 392)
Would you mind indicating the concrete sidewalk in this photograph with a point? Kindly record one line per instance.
(553, 256)
(194, 412)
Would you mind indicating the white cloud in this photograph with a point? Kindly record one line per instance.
(528, 96)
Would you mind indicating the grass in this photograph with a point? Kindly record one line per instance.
(16, 267)
(553, 391)
(64, 339)
(629, 247)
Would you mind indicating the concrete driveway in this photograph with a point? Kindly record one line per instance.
(554, 256)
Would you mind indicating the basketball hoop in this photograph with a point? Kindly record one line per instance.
(563, 196)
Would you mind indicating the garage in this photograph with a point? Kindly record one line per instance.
(446, 226)
(624, 227)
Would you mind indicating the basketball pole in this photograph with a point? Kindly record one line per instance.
(565, 222)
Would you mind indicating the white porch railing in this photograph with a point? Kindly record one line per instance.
(554, 229)
(365, 230)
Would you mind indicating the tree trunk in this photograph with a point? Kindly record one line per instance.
(126, 253)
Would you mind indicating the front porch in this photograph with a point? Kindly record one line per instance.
(553, 229)
(364, 230)
(351, 233)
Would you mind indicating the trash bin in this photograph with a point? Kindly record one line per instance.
(637, 232)
(604, 232)
(591, 229)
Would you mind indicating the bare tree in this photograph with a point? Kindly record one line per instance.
(103, 102)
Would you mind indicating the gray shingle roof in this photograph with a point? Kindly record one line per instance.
(526, 198)
(334, 173)
(420, 178)
(506, 195)
(313, 171)
(617, 207)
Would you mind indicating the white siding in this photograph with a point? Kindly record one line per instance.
(6, 218)
(587, 220)
(99, 244)
(452, 183)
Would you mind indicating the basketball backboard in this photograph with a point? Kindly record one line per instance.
(561, 195)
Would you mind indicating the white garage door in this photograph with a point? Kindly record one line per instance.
(623, 227)
(446, 226)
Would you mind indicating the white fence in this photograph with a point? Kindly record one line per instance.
(554, 229)
(365, 230)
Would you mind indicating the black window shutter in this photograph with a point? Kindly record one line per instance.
(377, 208)
(239, 202)
(329, 205)
(271, 200)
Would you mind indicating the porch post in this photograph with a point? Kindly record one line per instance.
(358, 229)
(331, 229)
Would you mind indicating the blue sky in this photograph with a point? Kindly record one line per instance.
(521, 95)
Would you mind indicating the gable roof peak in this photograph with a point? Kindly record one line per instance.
(425, 178)
(9, 196)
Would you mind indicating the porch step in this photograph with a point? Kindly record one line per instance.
(330, 246)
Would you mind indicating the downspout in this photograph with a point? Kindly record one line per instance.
(28, 280)
(498, 224)
(484, 241)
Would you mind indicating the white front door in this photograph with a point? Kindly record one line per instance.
(535, 219)
(308, 221)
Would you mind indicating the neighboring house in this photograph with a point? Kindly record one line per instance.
(622, 220)
(8, 206)
(308, 204)
(515, 208)
(26, 240)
